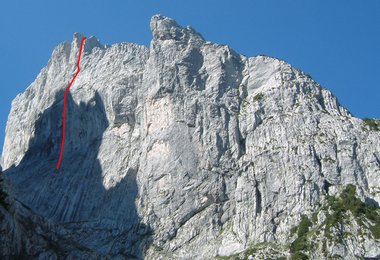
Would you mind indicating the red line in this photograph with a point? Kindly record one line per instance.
(64, 105)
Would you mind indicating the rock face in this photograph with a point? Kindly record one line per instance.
(188, 150)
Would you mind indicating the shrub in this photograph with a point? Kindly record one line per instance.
(303, 227)
(299, 256)
(301, 244)
(372, 123)
(258, 97)
(347, 201)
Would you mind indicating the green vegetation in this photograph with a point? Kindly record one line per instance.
(324, 248)
(346, 202)
(314, 217)
(304, 226)
(157, 248)
(372, 124)
(245, 103)
(336, 211)
(258, 97)
(309, 234)
(299, 256)
(328, 159)
(301, 244)
(293, 230)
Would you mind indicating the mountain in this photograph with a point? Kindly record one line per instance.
(186, 150)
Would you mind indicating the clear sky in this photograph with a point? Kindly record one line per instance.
(336, 42)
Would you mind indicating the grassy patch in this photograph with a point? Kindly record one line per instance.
(301, 244)
(347, 201)
(372, 124)
(246, 103)
(157, 248)
(293, 230)
(307, 232)
(299, 256)
(314, 217)
(258, 97)
(328, 159)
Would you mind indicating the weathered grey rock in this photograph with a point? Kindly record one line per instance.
(183, 150)
(25, 234)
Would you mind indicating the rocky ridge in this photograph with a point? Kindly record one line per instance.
(189, 150)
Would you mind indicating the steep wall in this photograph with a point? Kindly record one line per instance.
(185, 149)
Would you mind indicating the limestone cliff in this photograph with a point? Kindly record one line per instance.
(189, 150)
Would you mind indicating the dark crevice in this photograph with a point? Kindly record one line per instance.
(326, 186)
(258, 199)
(242, 145)
(377, 159)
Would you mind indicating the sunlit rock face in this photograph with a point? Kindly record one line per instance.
(183, 150)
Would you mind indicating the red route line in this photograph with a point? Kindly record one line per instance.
(64, 105)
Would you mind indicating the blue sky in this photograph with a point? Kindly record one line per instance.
(336, 42)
